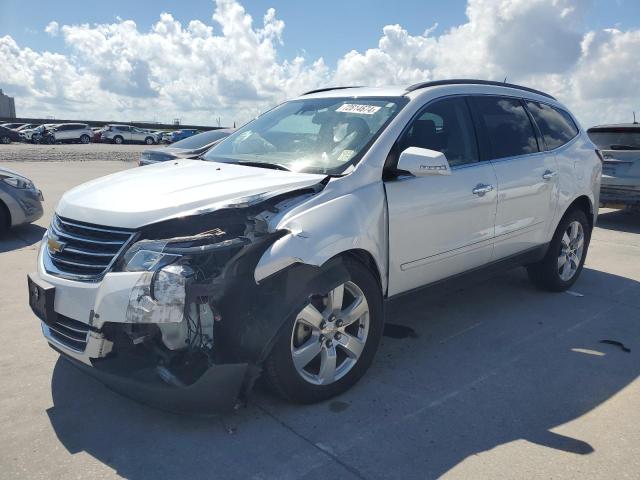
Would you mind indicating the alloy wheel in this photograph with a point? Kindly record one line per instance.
(571, 251)
(329, 334)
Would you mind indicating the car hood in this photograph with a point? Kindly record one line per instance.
(142, 196)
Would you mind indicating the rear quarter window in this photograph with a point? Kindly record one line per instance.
(556, 126)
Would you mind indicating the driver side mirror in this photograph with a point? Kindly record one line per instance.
(421, 162)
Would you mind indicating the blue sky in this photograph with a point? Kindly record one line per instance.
(179, 62)
(327, 28)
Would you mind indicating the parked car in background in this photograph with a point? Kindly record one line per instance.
(11, 126)
(72, 132)
(275, 255)
(178, 135)
(35, 135)
(97, 134)
(619, 146)
(26, 126)
(191, 147)
(8, 135)
(128, 134)
(20, 200)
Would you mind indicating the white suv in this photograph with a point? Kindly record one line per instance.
(128, 134)
(72, 132)
(180, 283)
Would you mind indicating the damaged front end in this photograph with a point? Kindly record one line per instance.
(197, 325)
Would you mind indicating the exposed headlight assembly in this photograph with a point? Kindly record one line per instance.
(153, 255)
(17, 182)
(168, 264)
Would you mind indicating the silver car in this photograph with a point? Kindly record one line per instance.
(73, 132)
(128, 134)
(20, 200)
(619, 147)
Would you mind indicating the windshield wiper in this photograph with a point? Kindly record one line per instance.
(273, 166)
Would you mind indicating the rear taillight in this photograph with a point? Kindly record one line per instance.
(599, 153)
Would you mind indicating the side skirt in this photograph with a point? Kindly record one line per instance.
(474, 276)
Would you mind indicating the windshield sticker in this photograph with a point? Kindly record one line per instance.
(357, 108)
(346, 155)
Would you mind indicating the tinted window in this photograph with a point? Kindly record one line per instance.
(557, 126)
(508, 130)
(616, 139)
(444, 126)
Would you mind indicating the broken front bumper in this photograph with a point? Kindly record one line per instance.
(74, 326)
(216, 391)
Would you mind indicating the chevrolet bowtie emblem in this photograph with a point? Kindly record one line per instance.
(55, 245)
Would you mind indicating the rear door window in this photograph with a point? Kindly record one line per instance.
(506, 126)
(556, 126)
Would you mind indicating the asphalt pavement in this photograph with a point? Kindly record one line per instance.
(493, 380)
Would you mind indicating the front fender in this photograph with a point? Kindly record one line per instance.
(356, 220)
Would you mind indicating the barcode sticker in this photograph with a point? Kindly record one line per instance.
(358, 108)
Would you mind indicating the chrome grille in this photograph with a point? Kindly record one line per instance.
(82, 251)
(70, 333)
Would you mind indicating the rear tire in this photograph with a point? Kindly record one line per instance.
(5, 218)
(5, 140)
(562, 265)
(345, 344)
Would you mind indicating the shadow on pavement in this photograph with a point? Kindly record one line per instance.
(20, 237)
(620, 220)
(491, 364)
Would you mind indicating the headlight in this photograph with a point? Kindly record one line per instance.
(147, 256)
(153, 255)
(17, 182)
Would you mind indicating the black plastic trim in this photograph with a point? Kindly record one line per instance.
(470, 81)
(328, 89)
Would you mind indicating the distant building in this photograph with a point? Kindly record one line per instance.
(7, 106)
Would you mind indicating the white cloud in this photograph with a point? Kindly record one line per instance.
(52, 28)
(231, 69)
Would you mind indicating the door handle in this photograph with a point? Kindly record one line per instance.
(481, 189)
(549, 174)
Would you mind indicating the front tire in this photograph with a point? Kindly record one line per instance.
(85, 139)
(562, 265)
(149, 141)
(118, 140)
(327, 347)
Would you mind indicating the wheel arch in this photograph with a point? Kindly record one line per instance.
(5, 209)
(366, 259)
(583, 203)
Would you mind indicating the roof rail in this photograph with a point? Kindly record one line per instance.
(462, 81)
(328, 89)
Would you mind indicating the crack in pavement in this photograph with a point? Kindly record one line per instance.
(332, 456)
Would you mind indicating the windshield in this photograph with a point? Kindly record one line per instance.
(201, 139)
(326, 135)
(616, 140)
